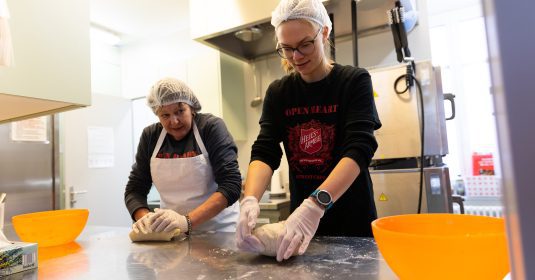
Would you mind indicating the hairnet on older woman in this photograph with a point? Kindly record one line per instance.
(169, 91)
(301, 9)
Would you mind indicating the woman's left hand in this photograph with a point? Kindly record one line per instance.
(168, 220)
(300, 228)
(142, 224)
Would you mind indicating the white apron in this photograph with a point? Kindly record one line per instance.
(185, 183)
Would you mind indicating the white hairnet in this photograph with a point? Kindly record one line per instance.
(301, 9)
(168, 91)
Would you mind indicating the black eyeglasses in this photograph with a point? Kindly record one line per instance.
(304, 48)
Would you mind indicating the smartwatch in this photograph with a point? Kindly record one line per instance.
(323, 197)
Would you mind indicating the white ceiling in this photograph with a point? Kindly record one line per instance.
(441, 6)
(140, 18)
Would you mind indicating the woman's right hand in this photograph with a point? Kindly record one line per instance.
(249, 210)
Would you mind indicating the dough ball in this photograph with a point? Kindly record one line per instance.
(154, 236)
(268, 234)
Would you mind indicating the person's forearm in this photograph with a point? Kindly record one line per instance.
(258, 177)
(208, 209)
(140, 212)
(342, 176)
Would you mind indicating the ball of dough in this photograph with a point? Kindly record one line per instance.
(268, 234)
(154, 236)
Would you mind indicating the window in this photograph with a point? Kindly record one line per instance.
(459, 47)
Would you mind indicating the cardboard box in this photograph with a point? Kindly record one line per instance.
(17, 257)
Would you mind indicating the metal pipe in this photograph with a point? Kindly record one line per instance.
(57, 201)
(331, 38)
(354, 32)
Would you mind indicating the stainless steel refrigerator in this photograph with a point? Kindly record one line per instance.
(395, 169)
(29, 161)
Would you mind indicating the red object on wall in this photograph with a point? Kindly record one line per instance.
(482, 164)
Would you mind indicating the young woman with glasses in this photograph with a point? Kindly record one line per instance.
(324, 114)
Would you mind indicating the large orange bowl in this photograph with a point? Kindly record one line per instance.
(443, 246)
(50, 228)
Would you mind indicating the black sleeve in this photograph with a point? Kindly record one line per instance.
(140, 179)
(223, 155)
(362, 119)
(267, 148)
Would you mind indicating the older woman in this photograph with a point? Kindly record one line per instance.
(325, 116)
(191, 159)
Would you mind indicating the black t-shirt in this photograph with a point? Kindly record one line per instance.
(185, 148)
(319, 123)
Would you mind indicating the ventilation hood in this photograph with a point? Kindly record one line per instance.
(242, 28)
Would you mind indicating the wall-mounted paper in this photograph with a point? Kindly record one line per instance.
(100, 147)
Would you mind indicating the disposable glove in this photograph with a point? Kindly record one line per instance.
(250, 244)
(249, 210)
(143, 224)
(300, 228)
(168, 220)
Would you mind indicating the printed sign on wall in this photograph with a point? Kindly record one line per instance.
(32, 130)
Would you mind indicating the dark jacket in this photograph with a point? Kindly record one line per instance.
(221, 149)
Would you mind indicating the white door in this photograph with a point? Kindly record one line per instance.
(97, 157)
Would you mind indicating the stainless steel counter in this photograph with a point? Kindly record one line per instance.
(108, 253)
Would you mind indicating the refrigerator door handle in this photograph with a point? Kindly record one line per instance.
(451, 98)
(72, 194)
(459, 200)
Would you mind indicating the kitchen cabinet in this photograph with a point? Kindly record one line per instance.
(51, 71)
(218, 80)
(233, 95)
(203, 77)
(226, 14)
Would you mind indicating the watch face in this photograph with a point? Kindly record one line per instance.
(324, 197)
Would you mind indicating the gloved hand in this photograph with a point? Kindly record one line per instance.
(143, 224)
(300, 228)
(168, 220)
(251, 244)
(249, 210)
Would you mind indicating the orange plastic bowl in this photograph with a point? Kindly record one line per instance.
(50, 228)
(443, 246)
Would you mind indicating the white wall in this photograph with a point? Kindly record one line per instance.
(267, 70)
(104, 186)
(144, 62)
(105, 69)
(173, 55)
